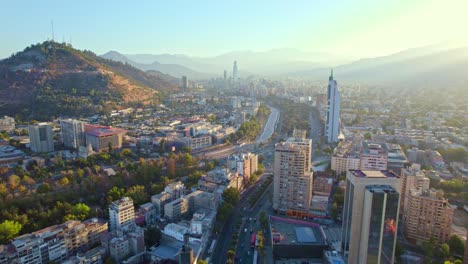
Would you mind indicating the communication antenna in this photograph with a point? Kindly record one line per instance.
(52, 23)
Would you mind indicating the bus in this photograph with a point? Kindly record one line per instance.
(253, 240)
(210, 250)
(255, 257)
(256, 242)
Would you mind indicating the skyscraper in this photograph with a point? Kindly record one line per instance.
(292, 181)
(73, 133)
(184, 85)
(234, 72)
(333, 114)
(225, 75)
(370, 216)
(41, 138)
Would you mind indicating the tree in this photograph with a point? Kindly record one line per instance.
(44, 188)
(444, 250)
(334, 212)
(456, 245)
(367, 136)
(81, 211)
(115, 193)
(201, 261)
(3, 191)
(110, 147)
(230, 254)
(231, 195)
(14, 182)
(8, 230)
(138, 194)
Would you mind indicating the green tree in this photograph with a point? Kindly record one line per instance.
(138, 194)
(8, 230)
(201, 261)
(367, 136)
(81, 211)
(231, 195)
(456, 245)
(115, 193)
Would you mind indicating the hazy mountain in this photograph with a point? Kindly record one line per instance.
(51, 79)
(249, 62)
(171, 69)
(424, 66)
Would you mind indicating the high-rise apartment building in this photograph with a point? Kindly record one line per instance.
(411, 177)
(428, 214)
(373, 157)
(370, 216)
(73, 133)
(333, 115)
(122, 215)
(292, 181)
(41, 137)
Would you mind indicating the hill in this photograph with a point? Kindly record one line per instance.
(172, 69)
(425, 66)
(53, 79)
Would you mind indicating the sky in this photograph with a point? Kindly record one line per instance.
(359, 28)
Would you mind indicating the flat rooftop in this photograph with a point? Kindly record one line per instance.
(374, 174)
(289, 231)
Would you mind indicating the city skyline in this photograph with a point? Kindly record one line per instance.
(373, 29)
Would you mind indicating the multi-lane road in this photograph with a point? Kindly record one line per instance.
(269, 126)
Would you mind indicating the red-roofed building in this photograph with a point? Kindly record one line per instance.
(100, 136)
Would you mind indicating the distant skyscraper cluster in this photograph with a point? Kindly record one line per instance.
(333, 115)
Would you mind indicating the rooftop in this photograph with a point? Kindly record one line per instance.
(288, 231)
(374, 174)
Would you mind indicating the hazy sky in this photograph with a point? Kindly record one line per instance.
(204, 28)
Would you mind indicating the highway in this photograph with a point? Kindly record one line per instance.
(270, 126)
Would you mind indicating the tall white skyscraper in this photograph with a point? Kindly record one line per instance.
(234, 72)
(333, 115)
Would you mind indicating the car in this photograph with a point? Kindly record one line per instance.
(245, 230)
(250, 219)
(248, 253)
(255, 220)
(251, 230)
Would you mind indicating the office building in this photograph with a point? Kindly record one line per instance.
(122, 215)
(41, 137)
(373, 157)
(225, 75)
(411, 177)
(7, 124)
(370, 216)
(428, 214)
(234, 72)
(184, 86)
(292, 179)
(73, 133)
(159, 201)
(332, 125)
(101, 137)
(201, 141)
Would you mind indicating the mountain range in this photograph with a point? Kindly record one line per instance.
(53, 79)
(429, 65)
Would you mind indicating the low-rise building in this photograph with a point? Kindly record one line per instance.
(101, 137)
(7, 124)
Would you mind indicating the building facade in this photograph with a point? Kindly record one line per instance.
(373, 157)
(41, 137)
(292, 181)
(370, 216)
(333, 114)
(73, 133)
(7, 124)
(428, 215)
(411, 177)
(122, 215)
